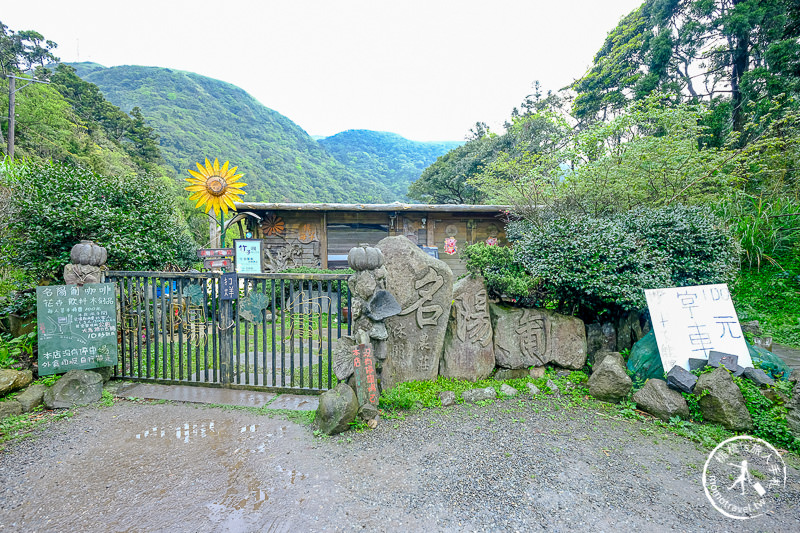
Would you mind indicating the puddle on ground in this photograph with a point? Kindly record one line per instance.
(188, 433)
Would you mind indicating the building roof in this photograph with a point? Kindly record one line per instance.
(396, 206)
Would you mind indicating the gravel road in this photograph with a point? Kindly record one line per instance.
(515, 465)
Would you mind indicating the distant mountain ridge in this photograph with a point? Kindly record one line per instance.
(198, 117)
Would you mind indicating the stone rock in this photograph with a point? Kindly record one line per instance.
(629, 331)
(681, 380)
(447, 398)
(775, 396)
(423, 287)
(105, 372)
(697, 364)
(717, 359)
(537, 372)
(364, 284)
(468, 349)
(723, 403)
(509, 373)
(76, 387)
(661, 401)
(533, 389)
(32, 397)
(368, 412)
(508, 390)
(81, 274)
(610, 382)
(552, 386)
(599, 356)
(737, 371)
(793, 414)
(337, 408)
(600, 338)
(752, 327)
(342, 355)
(535, 337)
(477, 395)
(11, 380)
(378, 332)
(10, 408)
(382, 306)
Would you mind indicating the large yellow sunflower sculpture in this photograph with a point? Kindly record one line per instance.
(216, 188)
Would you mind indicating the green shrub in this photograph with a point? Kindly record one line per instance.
(504, 276)
(53, 206)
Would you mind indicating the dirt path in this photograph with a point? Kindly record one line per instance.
(509, 466)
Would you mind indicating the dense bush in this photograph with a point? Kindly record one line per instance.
(596, 266)
(53, 206)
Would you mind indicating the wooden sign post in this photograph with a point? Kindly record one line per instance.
(365, 377)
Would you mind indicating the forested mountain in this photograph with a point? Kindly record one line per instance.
(385, 157)
(198, 117)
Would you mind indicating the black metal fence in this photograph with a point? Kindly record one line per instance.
(278, 334)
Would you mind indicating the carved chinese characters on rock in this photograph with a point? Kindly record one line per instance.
(427, 315)
(422, 285)
(532, 337)
(468, 348)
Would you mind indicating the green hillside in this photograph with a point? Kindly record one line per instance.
(385, 157)
(198, 117)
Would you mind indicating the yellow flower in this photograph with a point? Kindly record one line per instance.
(216, 188)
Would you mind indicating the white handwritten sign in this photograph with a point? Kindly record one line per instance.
(689, 322)
(248, 256)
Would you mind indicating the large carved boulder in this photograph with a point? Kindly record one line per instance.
(423, 286)
(468, 348)
(536, 337)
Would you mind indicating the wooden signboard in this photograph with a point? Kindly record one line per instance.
(248, 256)
(77, 327)
(229, 286)
(207, 253)
(217, 263)
(365, 377)
(689, 322)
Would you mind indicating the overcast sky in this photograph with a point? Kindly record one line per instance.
(427, 70)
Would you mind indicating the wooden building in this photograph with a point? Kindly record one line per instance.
(320, 235)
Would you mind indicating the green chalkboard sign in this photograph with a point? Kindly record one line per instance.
(77, 327)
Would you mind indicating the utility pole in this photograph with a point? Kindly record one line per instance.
(12, 83)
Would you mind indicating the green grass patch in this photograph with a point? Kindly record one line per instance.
(771, 295)
(21, 426)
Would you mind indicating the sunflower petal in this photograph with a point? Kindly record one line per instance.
(216, 165)
(197, 175)
(224, 170)
(228, 201)
(195, 187)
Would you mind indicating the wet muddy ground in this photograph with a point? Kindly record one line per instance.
(510, 466)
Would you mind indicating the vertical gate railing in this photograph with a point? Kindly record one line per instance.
(278, 334)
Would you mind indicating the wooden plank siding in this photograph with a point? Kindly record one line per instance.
(319, 235)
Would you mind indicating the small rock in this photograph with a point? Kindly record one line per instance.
(758, 376)
(368, 412)
(610, 382)
(105, 372)
(752, 327)
(511, 373)
(599, 356)
(724, 402)
(11, 380)
(697, 364)
(563, 373)
(717, 359)
(775, 396)
(661, 401)
(737, 371)
(552, 386)
(337, 408)
(477, 395)
(508, 390)
(379, 332)
(10, 408)
(447, 398)
(537, 372)
(76, 387)
(382, 306)
(533, 389)
(681, 379)
(31, 397)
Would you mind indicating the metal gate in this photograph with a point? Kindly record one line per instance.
(278, 334)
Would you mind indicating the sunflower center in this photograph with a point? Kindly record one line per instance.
(215, 185)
